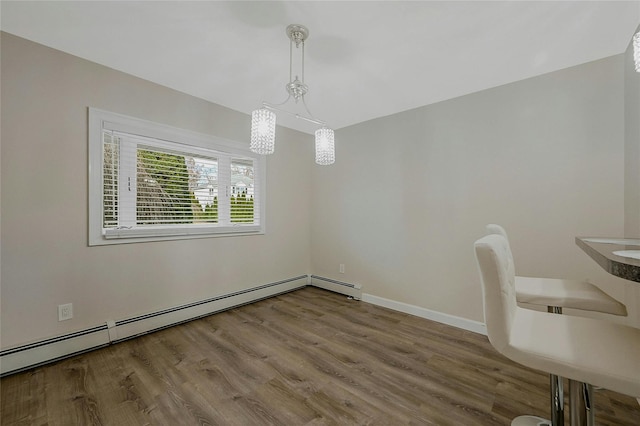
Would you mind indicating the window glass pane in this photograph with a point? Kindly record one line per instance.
(110, 161)
(242, 191)
(203, 182)
(175, 188)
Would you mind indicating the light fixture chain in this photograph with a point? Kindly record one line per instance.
(290, 61)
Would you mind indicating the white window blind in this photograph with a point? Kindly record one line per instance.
(163, 188)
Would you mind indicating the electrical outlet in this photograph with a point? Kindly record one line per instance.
(342, 268)
(65, 312)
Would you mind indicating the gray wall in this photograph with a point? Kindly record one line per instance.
(411, 192)
(45, 257)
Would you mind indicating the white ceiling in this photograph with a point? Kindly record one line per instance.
(364, 59)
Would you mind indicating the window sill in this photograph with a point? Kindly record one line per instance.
(124, 236)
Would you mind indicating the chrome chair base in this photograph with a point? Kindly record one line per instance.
(581, 404)
(557, 400)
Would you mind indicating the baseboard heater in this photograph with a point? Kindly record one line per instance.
(46, 351)
(353, 290)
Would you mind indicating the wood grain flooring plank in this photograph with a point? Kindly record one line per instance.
(405, 365)
(285, 361)
(614, 409)
(340, 406)
(110, 391)
(292, 407)
(512, 400)
(69, 400)
(21, 398)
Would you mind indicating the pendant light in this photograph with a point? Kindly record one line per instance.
(263, 120)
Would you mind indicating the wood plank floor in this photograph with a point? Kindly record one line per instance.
(309, 357)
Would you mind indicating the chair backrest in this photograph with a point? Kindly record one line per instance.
(492, 228)
(498, 287)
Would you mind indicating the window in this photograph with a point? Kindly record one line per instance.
(150, 182)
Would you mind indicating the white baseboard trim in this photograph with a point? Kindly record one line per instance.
(50, 350)
(353, 290)
(463, 323)
(43, 352)
(133, 327)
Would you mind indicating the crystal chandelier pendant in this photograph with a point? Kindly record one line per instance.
(263, 131)
(636, 51)
(325, 147)
(263, 120)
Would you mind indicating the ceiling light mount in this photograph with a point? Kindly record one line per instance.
(297, 33)
(263, 120)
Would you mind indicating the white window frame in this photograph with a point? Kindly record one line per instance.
(100, 120)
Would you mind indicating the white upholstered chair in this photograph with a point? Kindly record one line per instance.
(556, 294)
(562, 293)
(557, 344)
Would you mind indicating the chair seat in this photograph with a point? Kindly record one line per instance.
(563, 293)
(591, 351)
